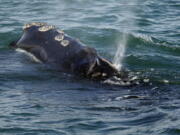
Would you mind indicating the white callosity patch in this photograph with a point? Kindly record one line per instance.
(59, 37)
(46, 28)
(33, 24)
(38, 24)
(64, 42)
(34, 58)
(26, 26)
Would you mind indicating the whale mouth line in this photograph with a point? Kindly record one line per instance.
(30, 55)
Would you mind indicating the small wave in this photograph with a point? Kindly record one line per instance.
(146, 120)
(130, 97)
(7, 37)
(152, 60)
(143, 37)
(112, 109)
(94, 125)
(24, 114)
(145, 42)
(113, 129)
(172, 131)
(19, 130)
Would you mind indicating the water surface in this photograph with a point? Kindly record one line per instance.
(35, 99)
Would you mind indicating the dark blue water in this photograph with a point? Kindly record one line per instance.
(36, 100)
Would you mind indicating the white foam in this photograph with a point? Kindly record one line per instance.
(166, 81)
(144, 37)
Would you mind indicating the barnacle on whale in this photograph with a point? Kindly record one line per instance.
(38, 24)
(46, 28)
(33, 24)
(64, 42)
(27, 26)
(59, 37)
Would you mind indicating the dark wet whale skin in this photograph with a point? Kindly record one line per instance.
(73, 56)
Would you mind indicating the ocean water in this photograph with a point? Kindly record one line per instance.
(36, 100)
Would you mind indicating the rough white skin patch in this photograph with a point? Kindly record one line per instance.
(34, 58)
(33, 24)
(38, 24)
(46, 28)
(59, 37)
(26, 26)
(64, 42)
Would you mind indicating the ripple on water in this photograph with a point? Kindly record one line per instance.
(23, 130)
(112, 109)
(171, 131)
(145, 120)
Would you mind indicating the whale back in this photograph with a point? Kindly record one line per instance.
(52, 45)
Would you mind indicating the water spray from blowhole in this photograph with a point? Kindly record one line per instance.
(119, 55)
(122, 41)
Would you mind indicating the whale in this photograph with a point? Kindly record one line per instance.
(51, 45)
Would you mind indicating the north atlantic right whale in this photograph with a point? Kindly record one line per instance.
(52, 46)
